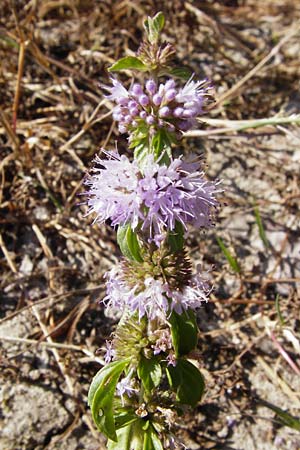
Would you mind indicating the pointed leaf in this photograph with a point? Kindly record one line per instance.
(161, 146)
(149, 372)
(101, 395)
(184, 332)
(154, 26)
(151, 440)
(128, 243)
(283, 416)
(187, 381)
(230, 258)
(124, 418)
(128, 63)
(261, 229)
(128, 438)
(181, 72)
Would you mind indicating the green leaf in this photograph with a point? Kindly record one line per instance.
(184, 332)
(128, 63)
(151, 440)
(161, 146)
(101, 395)
(154, 26)
(128, 438)
(181, 72)
(284, 417)
(149, 372)
(128, 243)
(175, 238)
(230, 258)
(261, 230)
(124, 417)
(187, 381)
(278, 310)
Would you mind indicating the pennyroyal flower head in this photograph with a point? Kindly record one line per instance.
(153, 297)
(153, 199)
(158, 105)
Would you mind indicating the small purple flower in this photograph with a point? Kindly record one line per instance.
(125, 387)
(110, 352)
(117, 91)
(156, 197)
(163, 342)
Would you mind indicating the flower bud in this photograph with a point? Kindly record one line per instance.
(123, 101)
(151, 87)
(170, 94)
(150, 120)
(164, 111)
(132, 104)
(137, 89)
(188, 113)
(178, 111)
(170, 84)
(157, 99)
(134, 111)
(144, 100)
(143, 114)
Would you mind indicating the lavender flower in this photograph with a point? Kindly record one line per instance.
(125, 387)
(152, 297)
(154, 199)
(178, 106)
(110, 352)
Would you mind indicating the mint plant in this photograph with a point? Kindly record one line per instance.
(152, 198)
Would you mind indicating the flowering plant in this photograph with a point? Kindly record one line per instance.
(153, 200)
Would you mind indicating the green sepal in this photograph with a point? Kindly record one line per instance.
(187, 381)
(101, 396)
(149, 371)
(175, 237)
(184, 332)
(153, 27)
(128, 63)
(128, 243)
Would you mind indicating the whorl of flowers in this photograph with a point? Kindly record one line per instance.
(152, 297)
(154, 198)
(158, 105)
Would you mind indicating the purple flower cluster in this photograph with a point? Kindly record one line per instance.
(157, 105)
(155, 299)
(155, 198)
